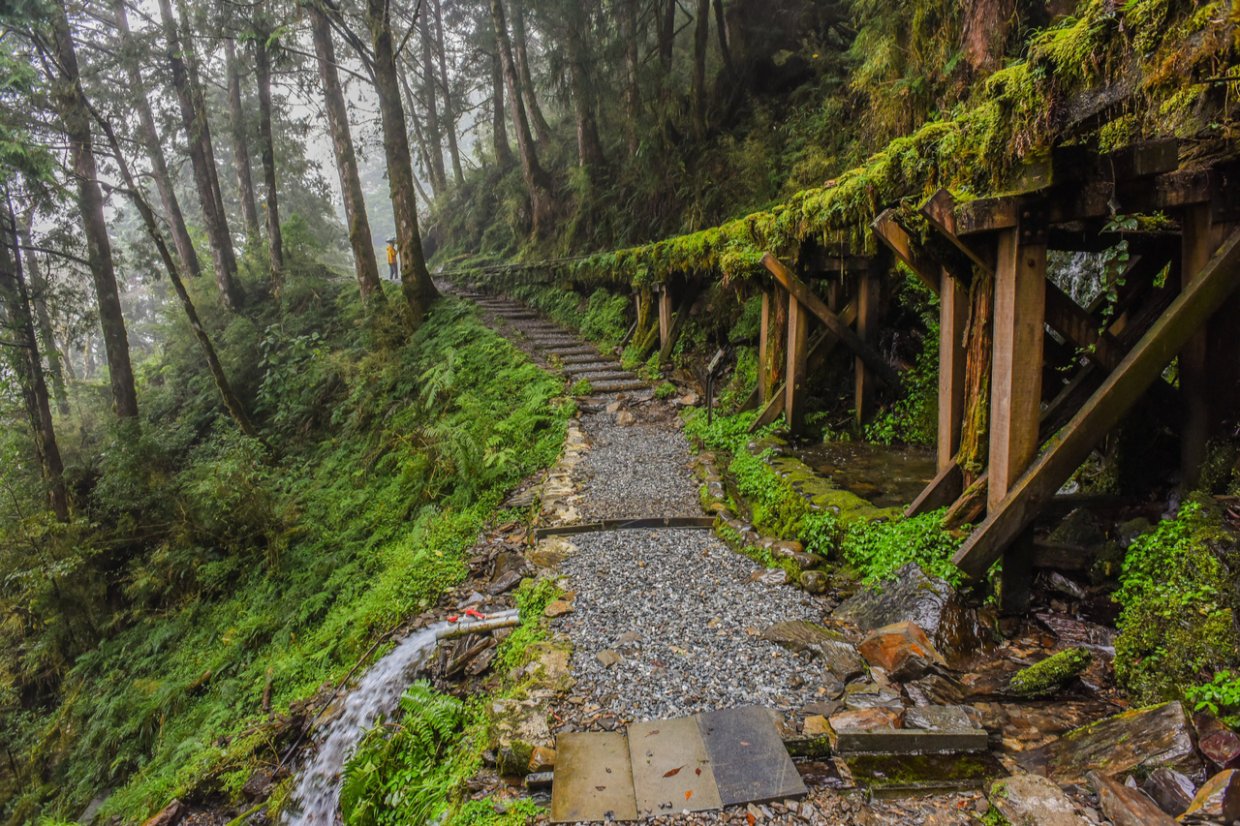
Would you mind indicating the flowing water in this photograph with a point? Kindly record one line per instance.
(316, 796)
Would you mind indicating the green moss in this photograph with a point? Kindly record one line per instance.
(1044, 677)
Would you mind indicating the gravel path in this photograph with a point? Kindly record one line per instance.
(682, 611)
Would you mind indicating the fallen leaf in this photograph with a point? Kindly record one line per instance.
(752, 820)
(688, 794)
(673, 772)
(599, 788)
(698, 772)
(652, 733)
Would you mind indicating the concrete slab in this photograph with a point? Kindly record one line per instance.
(911, 741)
(750, 762)
(671, 769)
(593, 778)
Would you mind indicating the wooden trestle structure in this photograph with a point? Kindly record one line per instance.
(1030, 382)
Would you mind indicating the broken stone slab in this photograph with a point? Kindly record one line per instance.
(1032, 800)
(911, 596)
(1217, 801)
(1144, 738)
(1217, 742)
(1126, 806)
(864, 719)
(939, 718)
(608, 657)
(902, 649)
(872, 695)
(1172, 791)
(905, 775)
(838, 655)
(911, 741)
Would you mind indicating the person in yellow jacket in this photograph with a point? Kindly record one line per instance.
(391, 256)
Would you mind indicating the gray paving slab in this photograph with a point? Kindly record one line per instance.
(671, 770)
(750, 762)
(593, 778)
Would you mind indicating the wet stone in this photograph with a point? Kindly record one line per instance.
(1031, 800)
(872, 695)
(902, 649)
(672, 771)
(938, 718)
(749, 759)
(1172, 791)
(1127, 806)
(911, 596)
(1217, 801)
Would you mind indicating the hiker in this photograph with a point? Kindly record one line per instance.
(391, 254)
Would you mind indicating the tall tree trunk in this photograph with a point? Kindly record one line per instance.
(520, 49)
(74, 112)
(499, 127)
(589, 149)
(241, 144)
(198, 142)
(632, 91)
(666, 10)
(537, 181)
(154, 149)
(275, 240)
(29, 367)
(449, 106)
(697, 97)
(721, 31)
(419, 142)
(364, 264)
(232, 403)
(415, 279)
(43, 318)
(434, 137)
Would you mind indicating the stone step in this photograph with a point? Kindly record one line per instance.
(618, 386)
(594, 366)
(602, 376)
(591, 358)
(579, 350)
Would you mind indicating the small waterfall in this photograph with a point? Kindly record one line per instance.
(316, 797)
(1079, 274)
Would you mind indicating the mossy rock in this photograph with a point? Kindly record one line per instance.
(1045, 677)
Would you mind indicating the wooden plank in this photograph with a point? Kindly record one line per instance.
(1140, 368)
(665, 317)
(819, 350)
(987, 215)
(838, 328)
(764, 334)
(794, 386)
(1074, 323)
(953, 317)
(940, 211)
(887, 230)
(943, 489)
(868, 297)
(1016, 373)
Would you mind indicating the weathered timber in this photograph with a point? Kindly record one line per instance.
(673, 331)
(1123, 387)
(953, 319)
(974, 430)
(764, 333)
(802, 293)
(869, 291)
(665, 316)
(901, 244)
(942, 491)
(797, 374)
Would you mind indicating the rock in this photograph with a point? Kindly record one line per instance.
(1076, 632)
(938, 718)
(1217, 742)
(1218, 801)
(613, 408)
(1126, 806)
(872, 695)
(1060, 584)
(625, 418)
(865, 719)
(772, 576)
(815, 582)
(608, 658)
(838, 655)
(902, 649)
(259, 784)
(1125, 532)
(510, 568)
(167, 816)
(557, 608)
(1045, 677)
(816, 726)
(1143, 738)
(910, 597)
(628, 638)
(542, 759)
(1024, 726)
(1172, 791)
(688, 399)
(513, 758)
(1030, 800)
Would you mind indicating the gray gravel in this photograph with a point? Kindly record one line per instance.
(641, 470)
(681, 609)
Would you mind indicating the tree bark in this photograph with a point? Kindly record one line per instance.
(520, 50)
(232, 403)
(29, 367)
(364, 264)
(415, 279)
(499, 128)
(721, 31)
(43, 318)
(697, 95)
(537, 181)
(241, 145)
(589, 149)
(667, 33)
(434, 137)
(74, 112)
(449, 106)
(267, 148)
(154, 149)
(632, 90)
(198, 141)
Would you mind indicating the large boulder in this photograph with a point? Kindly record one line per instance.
(1030, 800)
(1141, 739)
(839, 657)
(1172, 791)
(911, 596)
(902, 649)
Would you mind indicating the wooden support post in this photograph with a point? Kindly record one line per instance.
(868, 297)
(1140, 368)
(1016, 371)
(819, 350)
(1015, 584)
(764, 335)
(953, 316)
(796, 375)
(665, 317)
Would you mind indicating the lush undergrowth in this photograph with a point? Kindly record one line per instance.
(602, 317)
(249, 580)
(413, 769)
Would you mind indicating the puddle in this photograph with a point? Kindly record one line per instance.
(885, 476)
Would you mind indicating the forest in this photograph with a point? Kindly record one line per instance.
(266, 412)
